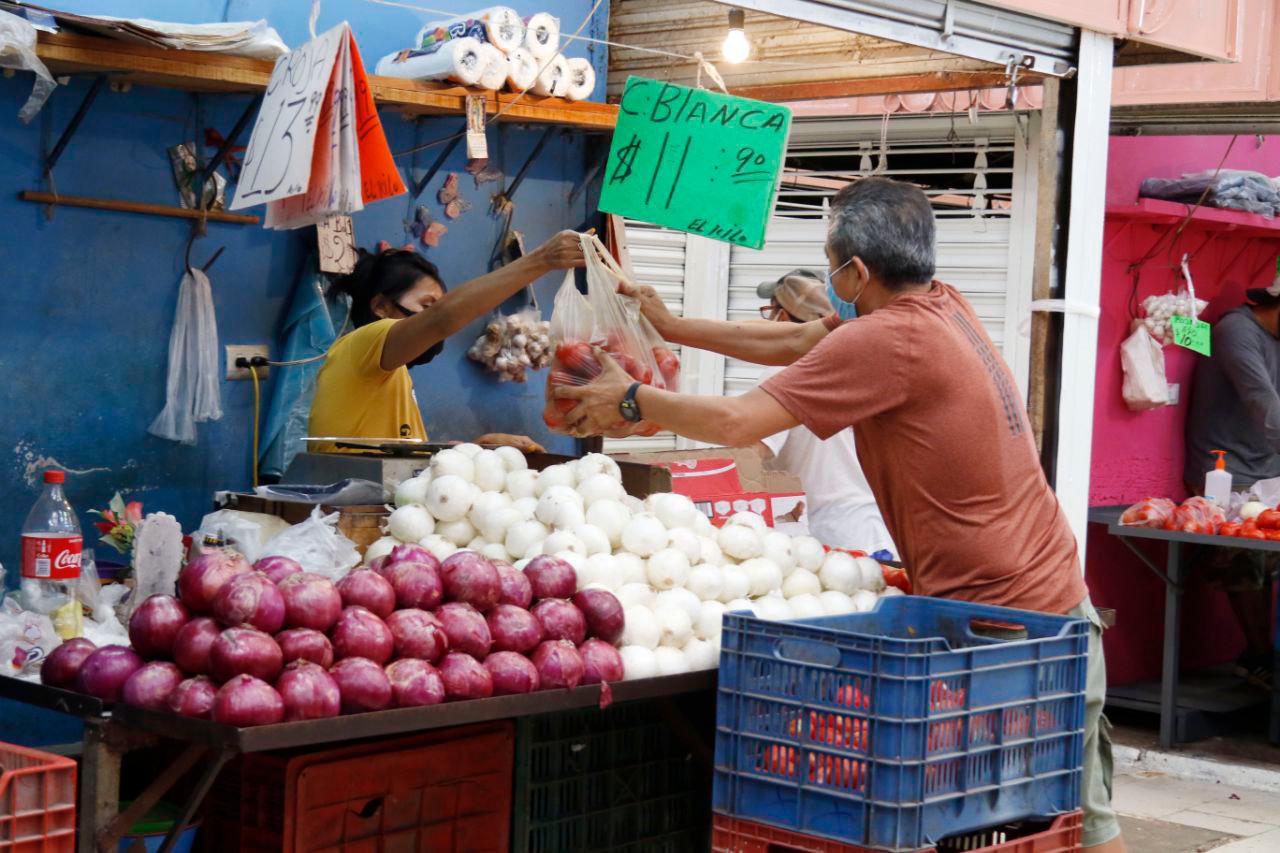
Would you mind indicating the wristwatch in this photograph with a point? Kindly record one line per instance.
(629, 408)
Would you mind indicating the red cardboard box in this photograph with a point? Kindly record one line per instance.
(701, 478)
(771, 505)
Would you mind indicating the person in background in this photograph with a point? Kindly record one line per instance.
(943, 436)
(1235, 407)
(402, 313)
(842, 509)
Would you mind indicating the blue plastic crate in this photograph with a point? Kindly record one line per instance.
(892, 729)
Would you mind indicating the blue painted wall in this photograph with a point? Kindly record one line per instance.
(87, 298)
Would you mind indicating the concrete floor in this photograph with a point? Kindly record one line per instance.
(1162, 813)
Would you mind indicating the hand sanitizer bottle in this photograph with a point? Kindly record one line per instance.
(1217, 481)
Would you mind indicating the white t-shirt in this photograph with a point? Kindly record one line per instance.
(841, 509)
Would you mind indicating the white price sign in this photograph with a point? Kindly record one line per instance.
(337, 243)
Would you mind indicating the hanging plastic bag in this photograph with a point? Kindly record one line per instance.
(1142, 360)
(317, 545)
(191, 389)
(18, 51)
(513, 344)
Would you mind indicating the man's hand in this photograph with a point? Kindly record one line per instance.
(651, 306)
(561, 252)
(501, 439)
(597, 410)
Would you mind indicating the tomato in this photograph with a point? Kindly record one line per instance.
(1231, 528)
(578, 358)
(896, 577)
(668, 365)
(1252, 533)
(1268, 519)
(1272, 535)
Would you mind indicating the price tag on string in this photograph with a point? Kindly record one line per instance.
(336, 241)
(477, 142)
(1191, 333)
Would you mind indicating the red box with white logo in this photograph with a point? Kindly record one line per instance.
(773, 506)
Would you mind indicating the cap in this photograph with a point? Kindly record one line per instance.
(1265, 295)
(55, 476)
(801, 292)
(1221, 463)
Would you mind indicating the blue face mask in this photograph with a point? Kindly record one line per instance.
(845, 310)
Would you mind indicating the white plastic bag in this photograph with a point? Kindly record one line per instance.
(191, 390)
(26, 638)
(247, 532)
(18, 51)
(317, 545)
(1142, 359)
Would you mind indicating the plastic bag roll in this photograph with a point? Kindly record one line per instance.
(500, 26)
(554, 79)
(582, 79)
(522, 69)
(494, 67)
(542, 35)
(458, 60)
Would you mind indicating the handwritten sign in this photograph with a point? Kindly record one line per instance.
(1190, 333)
(696, 161)
(336, 241)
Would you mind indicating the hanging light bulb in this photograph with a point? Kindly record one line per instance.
(736, 48)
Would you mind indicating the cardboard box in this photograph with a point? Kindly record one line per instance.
(753, 473)
(772, 505)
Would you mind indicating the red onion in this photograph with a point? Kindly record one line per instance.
(363, 685)
(551, 577)
(203, 577)
(310, 601)
(418, 634)
(309, 692)
(62, 665)
(194, 697)
(466, 629)
(247, 701)
(105, 671)
(245, 651)
(305, 644)
(514, 629)
(416, 584)
(370, 590)
(155, 624)
(511, 673)
(465, 677)
(559, 664)
(151, 685)
(601, 662)
(603, 613)
(277, 568)
(410, 553)
(250, 599)
(193, 644)
(415, 682)
(560, 620)
(516, 588)
(470, 577)
(360, 634)
(378, 564)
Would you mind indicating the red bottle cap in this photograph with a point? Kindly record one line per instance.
(55, 476)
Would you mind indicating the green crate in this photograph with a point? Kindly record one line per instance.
(617, 780)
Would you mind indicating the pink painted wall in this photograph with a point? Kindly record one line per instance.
(1139, 454)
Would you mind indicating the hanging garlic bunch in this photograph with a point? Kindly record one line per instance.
(513, 344)
(1160, 311)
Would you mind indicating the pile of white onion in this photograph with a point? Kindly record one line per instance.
(674, 572)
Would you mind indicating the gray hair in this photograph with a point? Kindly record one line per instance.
(889, 225)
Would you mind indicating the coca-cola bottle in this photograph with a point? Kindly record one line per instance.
(51, 550)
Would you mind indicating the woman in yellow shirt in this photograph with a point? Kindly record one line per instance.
(402, 315)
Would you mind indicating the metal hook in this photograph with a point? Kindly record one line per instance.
(198, 230)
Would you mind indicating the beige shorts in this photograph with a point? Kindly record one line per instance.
(1100, 824)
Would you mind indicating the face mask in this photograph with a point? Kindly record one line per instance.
(431, 353)
(845, 310)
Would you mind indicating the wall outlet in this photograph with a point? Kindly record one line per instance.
(246, 351)
(1175, 391)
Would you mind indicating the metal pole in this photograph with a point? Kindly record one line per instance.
(74, 124)
(1172, 648)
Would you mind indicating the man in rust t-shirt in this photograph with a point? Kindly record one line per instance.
(939, 427)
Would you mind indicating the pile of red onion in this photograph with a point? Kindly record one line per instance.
(269, 643)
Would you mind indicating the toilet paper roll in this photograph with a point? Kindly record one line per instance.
(582, 79)
(522, 69)
(494, 66)
(500, 26)
(542, 35)
(554, 79)
(457, 60)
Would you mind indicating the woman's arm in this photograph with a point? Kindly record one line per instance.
(414, 335)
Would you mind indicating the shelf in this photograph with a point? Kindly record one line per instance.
(211, 72)
(1160, 212)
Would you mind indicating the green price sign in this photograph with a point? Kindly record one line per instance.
(1192, 334)
(696, 161)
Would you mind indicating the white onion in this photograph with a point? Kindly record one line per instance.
(556, 475)
(410, 523)
(667, 569)
(682, 598)
(458, 532)
(734, 583)
(563, 540)
(806, 606)
(764, 575)
(835, 603)
(412, 491)
(601, 569)
(801, 582)
(772, 607)
(635, 593)
(526, 506)
(807, 552)
(638, 662)
(674, 625)
(630, 569)
(671, 509)
(468, 449)
(739, 542)
(611, 517)
(595, 539)
(496, 551)
(438, 547)
(706, 582)
(522, 483)
(684, 539)
(634, 505)
(380, 548)
(574, 559)
(597, 463)
(708, 624)
(599, 487)
(485, 505)
(449, 497)
(670, 661)
(559, 506)
(494, 527)
(641, 627)
(525, 537)
(700, 655)
(840, 572)
(754, 520)
(453, 462)
(776, 546)
(703, 526)
(644, 535)
(477, 544)
(512, 458)
(864, 601)
(871, 576)
(1251, 509)
(491, 471)
(709, 551)
(522, 562)
(740, 604)
(890, 591)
